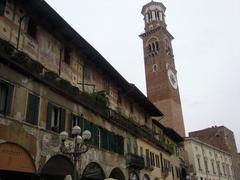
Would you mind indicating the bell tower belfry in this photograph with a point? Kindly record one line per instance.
(160, 71)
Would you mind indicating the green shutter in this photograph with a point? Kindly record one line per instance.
(32, 109)
(121, 145)
(9, 99)
(62, 120)
(49, 116)
(87, 125)
(2, 7)
(95, 135)
(104, 138)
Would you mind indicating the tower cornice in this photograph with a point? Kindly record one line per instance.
(153, 3)
(147, 33)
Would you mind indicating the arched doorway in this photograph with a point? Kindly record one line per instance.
(146, 177)
(57, 168)
(93, 171)
(133, 176)
(15, 162)
(183, 174)
(117, 174)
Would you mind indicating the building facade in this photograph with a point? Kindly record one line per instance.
(160, 70)
(208, 162)
(51, 79)
(222, 138)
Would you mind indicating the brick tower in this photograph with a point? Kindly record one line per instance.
(160, 71)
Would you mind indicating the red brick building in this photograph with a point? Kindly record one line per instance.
(222, 138)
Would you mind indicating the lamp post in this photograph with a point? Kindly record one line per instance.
(80, 146)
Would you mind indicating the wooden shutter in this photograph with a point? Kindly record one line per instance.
(62, 120)
(32, 109)
(2, 7)
(49, 116)
(9, 99)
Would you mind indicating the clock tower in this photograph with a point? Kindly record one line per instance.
(160, 71)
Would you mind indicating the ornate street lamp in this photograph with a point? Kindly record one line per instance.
(79, 147)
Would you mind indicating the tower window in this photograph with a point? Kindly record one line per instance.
(155, 68)
(153, 48)
(149, 48)
(149, 16)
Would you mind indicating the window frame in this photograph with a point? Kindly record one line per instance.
(7, 104)
(50, 124)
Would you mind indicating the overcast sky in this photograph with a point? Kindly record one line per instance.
(206, 49)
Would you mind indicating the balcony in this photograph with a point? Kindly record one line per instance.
(134, 161)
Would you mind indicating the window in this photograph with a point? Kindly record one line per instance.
(152, 159)
(147, 158)
(153, 47)
(106, 86)
(2, 7)
(224, 171)
(32, 28)
(218, 168)
(161, 161)
(199, 163)
(119, 100)
(77, 121)
(157, 161)
(227, 169)
(6, 94)
(32, 109)
(87, 72)
(55, 118)
(155, 68)
(67, 55)
(112, 142)
(206, 164)
(213, 167)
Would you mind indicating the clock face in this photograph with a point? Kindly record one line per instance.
(172, 78)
